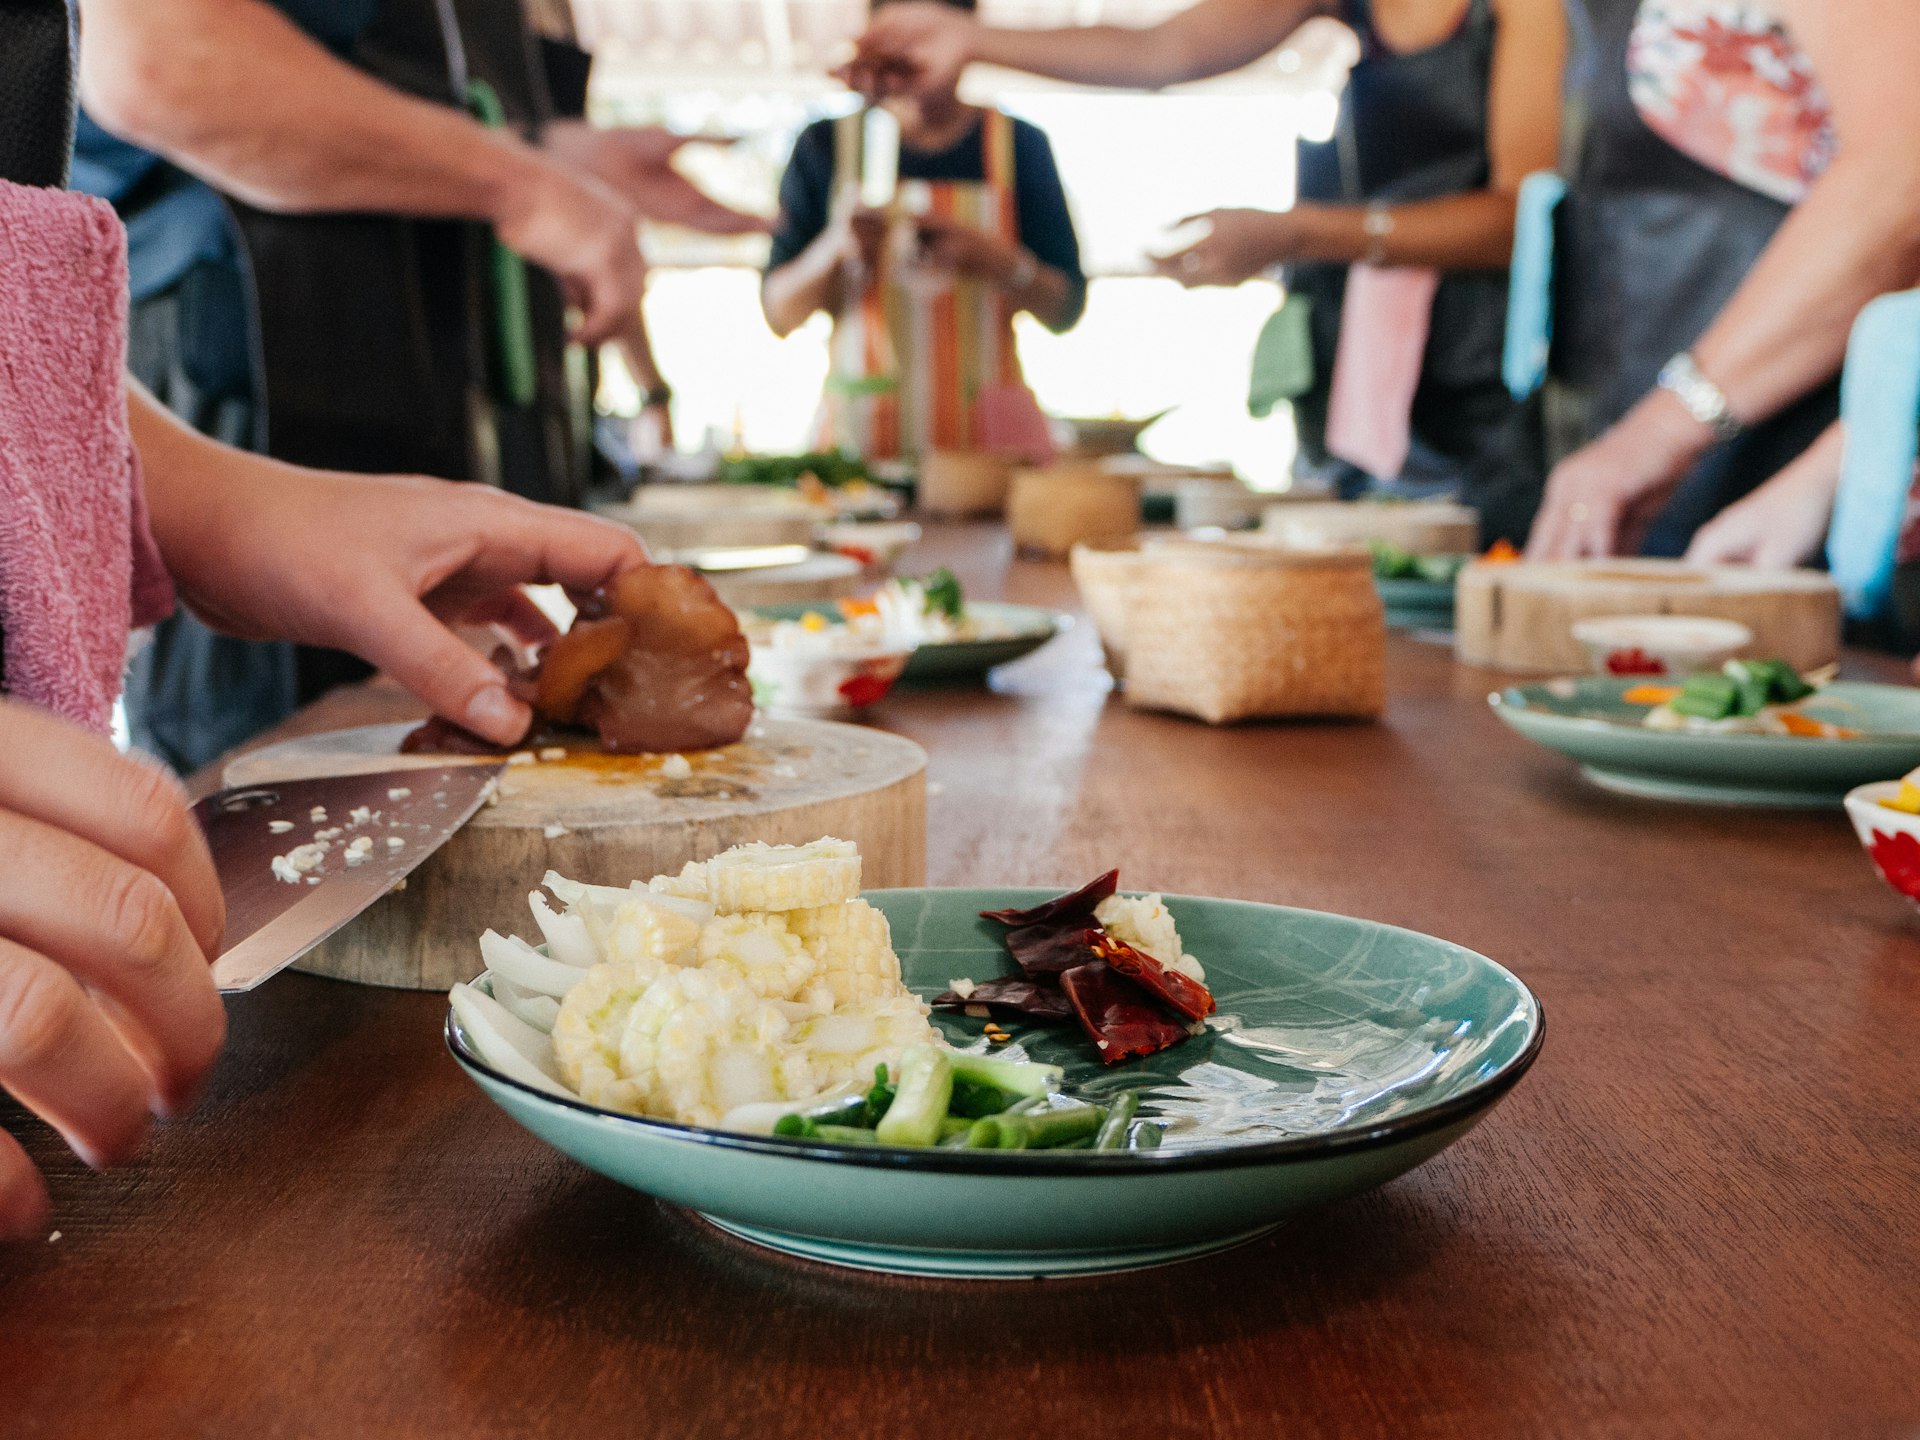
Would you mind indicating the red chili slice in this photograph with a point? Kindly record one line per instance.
(1188, 996)
(1121, 1017)
(1045, 950)
(1012, 995)
(1077, 906)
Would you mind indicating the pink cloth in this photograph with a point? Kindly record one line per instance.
(1007, 420)
(1384, 322)
(78, 567)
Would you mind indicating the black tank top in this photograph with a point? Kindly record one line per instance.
(36, 91)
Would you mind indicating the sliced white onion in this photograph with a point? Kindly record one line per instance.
(512, 957)
(567, 937)
(506, 1042)
(698, 911)
(539, 1011)
(574, 891)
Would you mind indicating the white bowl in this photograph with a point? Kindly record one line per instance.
(877, 544)
(1891, 838)
(1660, 644)
(822, 683)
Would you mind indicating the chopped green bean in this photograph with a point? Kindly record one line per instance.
(845, 1135)
(1113, 1130)
(1146, 1136)
(1020, 1077)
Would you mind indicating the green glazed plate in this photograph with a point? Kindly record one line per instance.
(1347, 1053)
(1587, 720)
(964, 661)
(1417, 604)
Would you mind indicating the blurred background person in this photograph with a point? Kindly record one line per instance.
(383, 168)
(923, 298)
(1450, 105)
(1744, 178)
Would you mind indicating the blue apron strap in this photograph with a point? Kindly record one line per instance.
(1530, 284)
(1880, 403)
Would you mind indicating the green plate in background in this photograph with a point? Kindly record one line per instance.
(956, 662)
(1356, 1051)
(1417, 604)
(1586, 719)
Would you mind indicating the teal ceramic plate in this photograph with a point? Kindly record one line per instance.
(1417, 604)
(1587, 720)
(1349, 1053)
(954, 662)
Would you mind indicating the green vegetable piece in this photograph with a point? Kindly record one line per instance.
(920, 1099)
(1439, 569)
(879, 1097)
(1752, 695)
(942, 589)
(954, 1127)
(795, 1127)
(1788, 685)
(1146, 1136)
(1046, 1129)
(976, 1101)
(1018, 1077)
(846, 1135)
(1390, 562)
(1113, 1130)
(1707, 697)
(1085, 1142)
(985, 1135)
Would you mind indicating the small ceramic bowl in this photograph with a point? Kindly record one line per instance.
(823, 684)
(1891, 837)
(1659, 644)
(877, 545)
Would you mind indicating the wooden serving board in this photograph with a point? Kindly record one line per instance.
(1520, 617)
(615, 819)
(1420, 527)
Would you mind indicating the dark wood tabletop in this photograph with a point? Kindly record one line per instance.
(1699, 1215)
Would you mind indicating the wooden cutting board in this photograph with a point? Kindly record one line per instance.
(1520, 617)
(1420, 527)
(608, 819)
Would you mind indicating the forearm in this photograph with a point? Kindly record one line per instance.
(1458, 232)
(814, 280)
(1211, 38)
(191, 482)
(236, 94)
(636, 350)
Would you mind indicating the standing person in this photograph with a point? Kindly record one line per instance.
(1451, 105)
(1745, 178)
(923, 353)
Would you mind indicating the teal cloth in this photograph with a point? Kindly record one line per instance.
(1530, 285)
(1282, 357)
(1880, 404)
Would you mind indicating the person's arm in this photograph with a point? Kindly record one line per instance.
(635, 345)
(1855, 236)
(821, 243)
(380, 565)
(637, 161)
(233, 92)
(924, 45)
(1471, 231)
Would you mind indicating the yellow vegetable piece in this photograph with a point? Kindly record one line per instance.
(1907, 800)
(813, 620)
(1650, 694)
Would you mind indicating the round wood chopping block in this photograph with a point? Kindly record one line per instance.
(1420, 527)
(610, 820)
(1520, 617)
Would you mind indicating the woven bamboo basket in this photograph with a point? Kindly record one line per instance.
(964, 482)
(1226, 631)
(1103, 573)
(1053, 509)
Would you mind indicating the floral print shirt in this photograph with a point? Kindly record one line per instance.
(1724, 83)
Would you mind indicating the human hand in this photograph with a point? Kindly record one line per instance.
(110, 918)
(1238, 246)
(1780, 525)
(954, 245)
(1600, 499)
(859, 235)
(382, 565)
(637, 162)
(918, 47)
(575, 226)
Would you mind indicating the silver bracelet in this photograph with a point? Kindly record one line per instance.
(1705, 401)
(1377, 224)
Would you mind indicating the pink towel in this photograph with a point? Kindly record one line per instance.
(78, 566)
(1383, 341)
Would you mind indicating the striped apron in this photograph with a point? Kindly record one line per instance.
(914, 354)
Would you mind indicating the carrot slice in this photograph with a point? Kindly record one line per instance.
(1798, 724)
(1650, 694)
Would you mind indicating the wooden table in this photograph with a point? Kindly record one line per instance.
(1699, 1215)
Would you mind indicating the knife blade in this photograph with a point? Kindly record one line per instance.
(298, 859)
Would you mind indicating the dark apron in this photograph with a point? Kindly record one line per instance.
(36, 91)
(1414, 127)
(1651, 246)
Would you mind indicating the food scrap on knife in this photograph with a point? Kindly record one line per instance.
(1096, 956)
(655, 662)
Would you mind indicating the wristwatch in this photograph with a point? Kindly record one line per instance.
(1705, 401)
(1377, 225)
